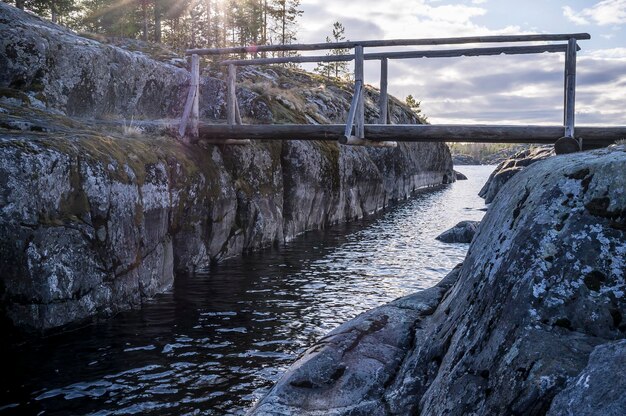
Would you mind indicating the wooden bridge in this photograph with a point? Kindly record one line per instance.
(567, 137)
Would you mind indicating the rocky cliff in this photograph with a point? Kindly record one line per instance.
(531, 323)
(95, 218)
(510, 167)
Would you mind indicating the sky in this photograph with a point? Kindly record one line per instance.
(523, 89)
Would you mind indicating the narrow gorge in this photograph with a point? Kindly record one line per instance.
(96, 214)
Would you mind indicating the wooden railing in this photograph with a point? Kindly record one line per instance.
(354, 132)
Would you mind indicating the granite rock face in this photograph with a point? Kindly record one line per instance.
(94, 219)
(510, 167)
(463, 232)
(532, 324)
(599, 388)
(460, 176)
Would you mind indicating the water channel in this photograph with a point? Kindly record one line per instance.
(218, 340)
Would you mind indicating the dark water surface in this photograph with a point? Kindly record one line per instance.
(218, 340)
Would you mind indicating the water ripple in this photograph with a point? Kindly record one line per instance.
(218, 341)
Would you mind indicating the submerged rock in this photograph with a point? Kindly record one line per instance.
(510, 167)
(542, 287)
(463, 232)
(459, 176)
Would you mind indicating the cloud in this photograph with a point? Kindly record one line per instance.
(498, 89)
(605, 12)
(419, 18)
(571, 15)
(512, 89)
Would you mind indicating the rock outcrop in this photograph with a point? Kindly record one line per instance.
(460, 176)
(461, 159)
(599, 388)
(463, 232)
(96, 217)
(509, 167)
(532, 323)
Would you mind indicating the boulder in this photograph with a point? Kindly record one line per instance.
(463, 232)
(461, 159)
(459, 176)
(599, 388)
(532, 323)
(509, 167)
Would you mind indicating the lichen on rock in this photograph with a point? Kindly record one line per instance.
(94, 220)
(541, 291)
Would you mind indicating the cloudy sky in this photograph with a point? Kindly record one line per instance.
(526, 89)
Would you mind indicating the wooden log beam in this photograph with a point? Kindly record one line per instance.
(231, 97)
(454, 53)
(356, 141)
(253, 49)
(191, 105)
(195, 84)
(593, 136)
(570, 87)
(383, 99)
(228, 142)
(358, 86)
(449, 53)
(360, 104)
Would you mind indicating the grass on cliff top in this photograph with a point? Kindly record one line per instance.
(300, 97)
(105, 144)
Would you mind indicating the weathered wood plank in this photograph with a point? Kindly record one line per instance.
(594, 136)
(454, 53)
(356, 141)
(570, 87)
(449, 53)
(383, 99)
(358, 86)
(237, 112)
(360, 107)
(195, 82)
(391, 42)
(231, 98)
(228, 142)
(191, 105)
(186, 112)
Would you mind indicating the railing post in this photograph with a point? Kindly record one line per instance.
(231, 98)
(358, 77)
(191, 105)
(383, 98)
(195, 84)
(570, 87)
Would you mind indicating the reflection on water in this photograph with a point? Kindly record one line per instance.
(218, 340)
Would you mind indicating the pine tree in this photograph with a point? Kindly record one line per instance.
(414, 105)
(336, 69)
(285, 14)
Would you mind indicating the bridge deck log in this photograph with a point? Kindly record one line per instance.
(593, 136)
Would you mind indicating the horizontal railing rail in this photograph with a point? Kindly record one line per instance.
(356, 115)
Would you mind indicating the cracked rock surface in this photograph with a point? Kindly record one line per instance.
(510, 167)
(531, 323)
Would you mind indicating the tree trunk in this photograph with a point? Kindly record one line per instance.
(208, 24)
(19, 4)
(284, 22)
(264, 30)
(157, 23)
(53, 11)
(144, 9)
